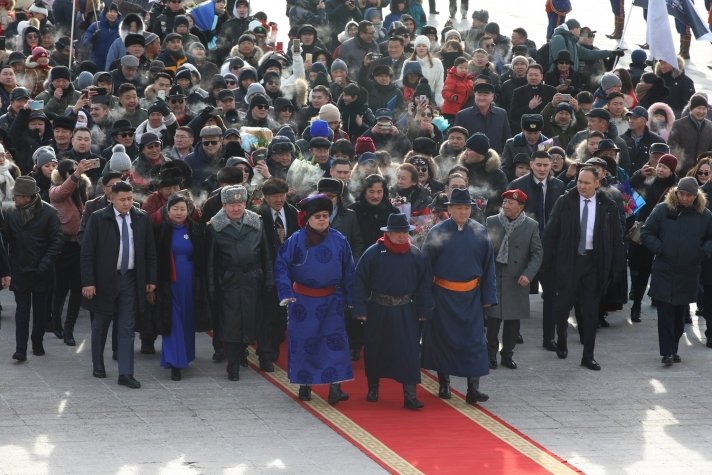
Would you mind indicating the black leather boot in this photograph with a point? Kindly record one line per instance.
(305, 392)
(473, 393)
(409, 399)
(444, 390)
(372, 395)
(69, 333)
(336, 395)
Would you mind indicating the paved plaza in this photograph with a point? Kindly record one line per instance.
(633, 417)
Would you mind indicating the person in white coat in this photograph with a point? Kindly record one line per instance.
(432, 67)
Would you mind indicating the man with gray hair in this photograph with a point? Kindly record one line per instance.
(239, 268)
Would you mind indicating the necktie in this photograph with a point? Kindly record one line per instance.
(279, 227)
(125, 244)
(584, 226)
(541, 210)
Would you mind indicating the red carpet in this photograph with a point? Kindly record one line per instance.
(445, 437)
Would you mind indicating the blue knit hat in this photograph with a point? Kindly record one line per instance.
(319, 128)
(638, 56)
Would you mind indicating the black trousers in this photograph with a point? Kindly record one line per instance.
(707, 308)
(68, 281)
(272, 327)
(548, 324)
(453, 7)
(671, 326)
(26, 301)
(234, 352)
(354, 330)
(640, 261)
(510, 330)
(587, 294)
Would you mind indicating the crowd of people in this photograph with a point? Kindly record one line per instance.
(370, 185)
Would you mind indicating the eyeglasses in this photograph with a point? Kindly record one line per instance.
(125, 134)
(230, 82)
(263, 107)
(702, 173)
(209, 143)
(288, 109)
(177, 101)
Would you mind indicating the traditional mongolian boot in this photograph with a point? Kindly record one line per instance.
(619, 23)
(409, 399)
(372, 395)
(444, 389)
(473, 394)
(305, 392)
(336, 395)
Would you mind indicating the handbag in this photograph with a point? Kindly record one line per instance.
(634, 232)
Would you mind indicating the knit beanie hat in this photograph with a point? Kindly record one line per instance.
(288, 132)
(339, 64)
(698, 100)
(120, 161)
(39, 52)
(421, 40)
(669, 161)
(479, 143)
(319, 128)
(688, 184)
(520, 59)
(180, 20)
(329, 113)
(423, 89)
(638, 56)
(610, 80)
(44, 155)
(252, 89)
(363, 145)
(59, 72)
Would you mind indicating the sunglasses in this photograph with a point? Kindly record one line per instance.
(288, 109)
(427, 114)
(230, 82)
(262, 106)
(423, 169)
(702, 173)
(209, 143)
(125, 134)
(177, 101)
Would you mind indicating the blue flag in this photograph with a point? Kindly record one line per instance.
(685, 12)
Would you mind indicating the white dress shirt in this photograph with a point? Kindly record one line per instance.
(591, 221)
(119, 221)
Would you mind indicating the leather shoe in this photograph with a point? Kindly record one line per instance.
(99, 373)
(176, 374)
(562, 353)
(550, 345)
(305, 392)
(114, 355)
(590, 363)
(336, 395)
(474, 396)
(233, 374)
(19, 356)
(509, 363)
(635, 315)
(602, 322)
(129, 381)
(59, 334)
(444, 391)
(709, 343)
(520, 339)
(38, 350)
(218, 357)
(69, 340)
(267, 366)
(147, 348)
(667, 360)
(676, 359)
(493, 362)
(372, 395)
(412, 403)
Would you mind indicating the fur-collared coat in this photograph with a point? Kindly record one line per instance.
(488, 180)
(681, 239)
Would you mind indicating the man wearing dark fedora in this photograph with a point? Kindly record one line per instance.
(392, 292)
(34, 239)
(122, 132)
(462, 262)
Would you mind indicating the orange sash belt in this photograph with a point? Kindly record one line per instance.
(457, 286)
(312, 292)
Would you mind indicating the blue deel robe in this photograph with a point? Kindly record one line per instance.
(318, 345)
(392, 335)
(454, 339)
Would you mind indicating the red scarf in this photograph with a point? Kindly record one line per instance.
(315, 237)
(393, 247)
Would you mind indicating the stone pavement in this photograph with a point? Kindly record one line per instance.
(633, 417)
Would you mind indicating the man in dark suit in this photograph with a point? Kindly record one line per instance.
(280, 222)
(582, 243)
(118, 266)
(542, 190)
